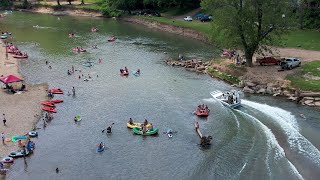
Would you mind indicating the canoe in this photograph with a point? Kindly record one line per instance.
(55, 91)
(16, 154)
(202, 113)
(136, 125)
(137, 130)
(48, 109)
(48, 103)
(20, 57)
(16, 138)
(56, 101)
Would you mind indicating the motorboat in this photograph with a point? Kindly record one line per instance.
(230, 99)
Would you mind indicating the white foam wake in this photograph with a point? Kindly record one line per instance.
(288, 123)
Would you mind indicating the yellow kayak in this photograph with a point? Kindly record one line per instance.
(136, 125)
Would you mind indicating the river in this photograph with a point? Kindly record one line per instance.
(264, 139)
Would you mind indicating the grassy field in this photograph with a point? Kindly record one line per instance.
(196, 25)
(305, 39)
(299, 81)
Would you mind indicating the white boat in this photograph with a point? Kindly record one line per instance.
(230, 99)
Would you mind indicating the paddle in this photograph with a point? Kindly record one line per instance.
(106, 128)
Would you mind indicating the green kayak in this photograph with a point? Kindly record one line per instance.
(138, 130)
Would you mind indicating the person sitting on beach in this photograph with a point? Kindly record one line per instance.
(23, 87)
(130, 121)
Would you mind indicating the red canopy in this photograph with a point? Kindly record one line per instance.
(10, 79)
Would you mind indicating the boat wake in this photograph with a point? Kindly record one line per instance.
(287, 121)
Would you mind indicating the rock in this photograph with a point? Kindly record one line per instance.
(200, 68)
(261, 91)
(241, 84)
(317, 99)
(248, 90)
(271, 85)
(269, 90)
(308, 98)
(250, 84)
(287, 93)
(309, 102)
(276, 94)
(317, 103)
(292, 98)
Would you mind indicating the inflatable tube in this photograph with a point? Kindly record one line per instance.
(16, 154)
(16, 138)
(33, 133)
(7, 140)
(136, 125)
(101, 150)
(137, 130)
(7, 160)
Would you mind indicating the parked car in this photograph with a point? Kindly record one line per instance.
(205, 18)
(290, 63)
(188, 18)
(268, 60)
(199, 16)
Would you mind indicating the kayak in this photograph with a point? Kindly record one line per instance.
(20, 57)
(16, 154)
(56, 101)
(48, 109)
(136, 125)
(137, 130)
(16, 138)
(55, 91)
(202, 113)
(48, 103)
(102, 149)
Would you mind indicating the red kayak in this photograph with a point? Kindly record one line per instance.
(20, 57)
(56, 101)
(55, 91)
(124, 73)
(48, 103)
(202, 112)
(48, 109)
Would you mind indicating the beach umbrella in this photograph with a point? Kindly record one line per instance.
(10, 79)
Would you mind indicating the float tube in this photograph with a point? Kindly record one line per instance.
(16, 154)
(33, 133)
(102, 149)
(137, 130)
(7, 160)
(136, 125)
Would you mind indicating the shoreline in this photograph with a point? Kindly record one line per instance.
(22, 111)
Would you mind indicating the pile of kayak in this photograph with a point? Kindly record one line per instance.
(50, 105)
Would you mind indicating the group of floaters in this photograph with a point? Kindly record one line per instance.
(202, 110)
(49, 106)
(125, 72)
(78, 49)
(11, 48)
(144, 128)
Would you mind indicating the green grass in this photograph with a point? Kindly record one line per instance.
(225, 77)
(298, 81)
(195, 25)
(305, 39)
(88, 7)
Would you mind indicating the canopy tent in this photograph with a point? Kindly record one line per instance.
(10, 79)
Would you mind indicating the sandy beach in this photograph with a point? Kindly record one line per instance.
(20, 109)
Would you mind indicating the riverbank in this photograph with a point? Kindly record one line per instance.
(22, 111)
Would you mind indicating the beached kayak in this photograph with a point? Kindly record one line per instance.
(55, 91)
(20, 56)
(56, 101)
(137, 130)
(48, 109)
(48, 103)
(136, 125)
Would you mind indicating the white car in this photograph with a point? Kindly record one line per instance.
(188, 18)
(290, 63)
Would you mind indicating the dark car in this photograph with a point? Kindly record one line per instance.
(149, 12)
(205, 18)
(268, 60)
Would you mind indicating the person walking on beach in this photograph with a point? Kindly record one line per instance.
(72, 69)
(73, 91)
(4, 120)
(2, 137)
(6, 55)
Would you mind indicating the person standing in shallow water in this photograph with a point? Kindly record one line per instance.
(73, 91)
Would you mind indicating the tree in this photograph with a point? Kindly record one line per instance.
(82, 2)
(69, 1)
(251, 25)
(58, 2)
(126, 5)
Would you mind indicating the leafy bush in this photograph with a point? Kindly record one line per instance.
(312, 18)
